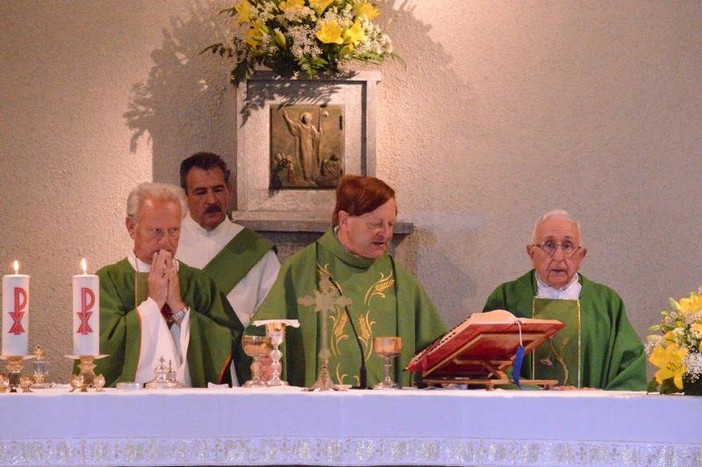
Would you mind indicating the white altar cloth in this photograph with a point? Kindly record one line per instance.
(287, 426)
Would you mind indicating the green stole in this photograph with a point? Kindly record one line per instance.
(371, 286)
(243, 251)
(559, 357)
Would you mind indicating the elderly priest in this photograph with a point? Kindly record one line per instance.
(598, 348)
(152, 306)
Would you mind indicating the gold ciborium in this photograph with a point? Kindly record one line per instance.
(256, 347)
(387, 348)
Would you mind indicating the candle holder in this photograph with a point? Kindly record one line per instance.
(4, 383)
(26, 383)
(86, 375)
(14, 365)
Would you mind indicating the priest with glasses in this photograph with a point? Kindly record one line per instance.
(598, 348)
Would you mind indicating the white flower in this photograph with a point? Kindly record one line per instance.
(251, 41)
(693, 364)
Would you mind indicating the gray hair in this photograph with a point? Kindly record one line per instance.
(557, 213)
(159, 191)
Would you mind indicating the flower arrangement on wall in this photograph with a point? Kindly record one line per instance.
(302, 36)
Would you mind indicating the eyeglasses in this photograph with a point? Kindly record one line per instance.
(549, 247)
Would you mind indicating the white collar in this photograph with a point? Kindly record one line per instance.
(570, 291)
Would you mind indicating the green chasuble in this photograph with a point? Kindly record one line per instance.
(386, 300)
(611, 354)
(214, 328)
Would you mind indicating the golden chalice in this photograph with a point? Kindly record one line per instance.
(387, 348)
(256, 347)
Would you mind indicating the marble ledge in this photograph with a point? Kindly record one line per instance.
(269, 221)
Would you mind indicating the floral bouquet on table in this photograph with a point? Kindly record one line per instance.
(676, 350)
(310, 36)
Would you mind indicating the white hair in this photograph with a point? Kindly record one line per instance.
(158, 191)
(559, 214)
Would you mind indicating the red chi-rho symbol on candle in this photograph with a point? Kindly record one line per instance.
(87, 300)
(20, 304)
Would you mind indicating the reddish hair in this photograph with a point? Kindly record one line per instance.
(358, 195)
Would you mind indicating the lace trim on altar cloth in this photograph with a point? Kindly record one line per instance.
(343, 451)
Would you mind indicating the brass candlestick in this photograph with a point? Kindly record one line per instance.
(86, 376)
(13, 365)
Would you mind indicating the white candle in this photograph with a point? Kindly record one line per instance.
(86, 313)
(15, 313)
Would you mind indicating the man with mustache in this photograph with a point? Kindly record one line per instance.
(153, 306)
(351, 259)
(598, 348)
(243, 264)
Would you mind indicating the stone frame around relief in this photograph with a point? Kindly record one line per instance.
(264, 91)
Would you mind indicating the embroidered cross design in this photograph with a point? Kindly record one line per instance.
(327, 298)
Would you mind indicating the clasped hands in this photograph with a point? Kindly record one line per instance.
(164, 287)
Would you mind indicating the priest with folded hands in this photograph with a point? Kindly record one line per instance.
(153, 306)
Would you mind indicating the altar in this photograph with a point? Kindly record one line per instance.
(223, 426)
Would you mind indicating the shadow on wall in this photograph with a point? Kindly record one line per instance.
(186, 104)
(446, 244)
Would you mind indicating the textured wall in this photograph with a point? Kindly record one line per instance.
(502, 110)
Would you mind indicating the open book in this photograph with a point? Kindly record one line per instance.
(482, 348)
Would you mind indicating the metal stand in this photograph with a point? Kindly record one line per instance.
(324, 381)
(86, 378)
(14, 364)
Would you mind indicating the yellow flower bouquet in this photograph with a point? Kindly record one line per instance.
(676, 348)
(310, 36)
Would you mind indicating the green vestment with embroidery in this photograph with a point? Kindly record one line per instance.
(611, 355)
(386, 300)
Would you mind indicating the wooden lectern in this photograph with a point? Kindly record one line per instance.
(481, 349)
